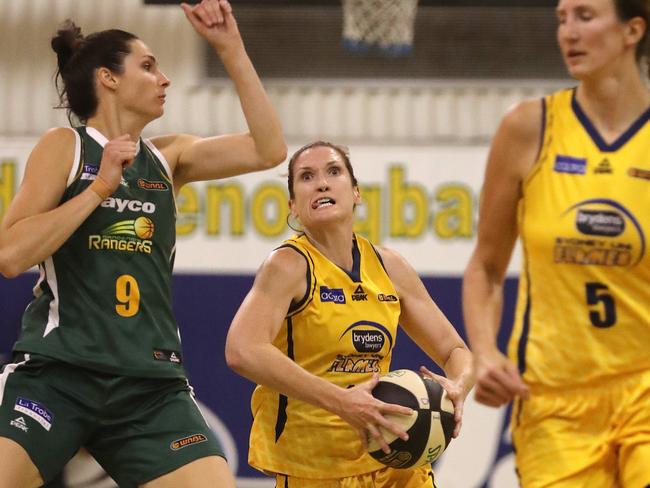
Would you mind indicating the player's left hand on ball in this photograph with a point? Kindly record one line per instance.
(367, 414)
(455, 392)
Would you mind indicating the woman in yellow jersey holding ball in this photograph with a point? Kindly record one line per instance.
(319, 326)
(571, 176)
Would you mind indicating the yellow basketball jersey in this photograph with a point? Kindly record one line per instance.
(583, 306)
(343, 330)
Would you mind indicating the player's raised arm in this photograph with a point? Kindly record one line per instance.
(262, 147)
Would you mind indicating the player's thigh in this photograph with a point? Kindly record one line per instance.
(634, 435)
(153, 428)
(16, 467)
(563, 441)
(206, 472)
(42, 411)
(421, 477)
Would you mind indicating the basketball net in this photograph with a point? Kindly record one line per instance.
(380, 26)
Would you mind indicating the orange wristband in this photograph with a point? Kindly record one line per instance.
(101, 188)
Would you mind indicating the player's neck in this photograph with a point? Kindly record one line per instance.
(613, 103)
(334, 243)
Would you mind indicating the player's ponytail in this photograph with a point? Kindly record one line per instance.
(78, 58)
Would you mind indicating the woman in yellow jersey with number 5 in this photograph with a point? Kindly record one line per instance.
(570, 175)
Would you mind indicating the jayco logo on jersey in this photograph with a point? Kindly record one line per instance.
(335, 295)
(34, 410)
(568, 164)
(121, 205)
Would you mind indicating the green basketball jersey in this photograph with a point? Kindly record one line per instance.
(103, 299)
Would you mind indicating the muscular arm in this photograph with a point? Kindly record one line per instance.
(195, 159)
(512, 155)
(35, 226)
(425, 323)
(249, 348)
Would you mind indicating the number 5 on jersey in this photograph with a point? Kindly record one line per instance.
(127, 294)
(598, 294)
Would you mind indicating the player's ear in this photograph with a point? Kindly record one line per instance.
(106, 78)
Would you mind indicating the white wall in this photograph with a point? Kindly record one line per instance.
(354, 111)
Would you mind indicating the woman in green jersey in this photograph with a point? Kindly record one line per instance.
(98, 363)
(317, 329)
(570, 176)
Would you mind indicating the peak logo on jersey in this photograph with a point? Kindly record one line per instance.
(35, 410)
(126, 235)
(187, 441)
(612, 235)
(152, 185)
(569, 164)
(167, 355)
(359, 295)
(604, 167)
(335, 295)
(387, 298)
(121, 205)
(19, 423)
(644, 174)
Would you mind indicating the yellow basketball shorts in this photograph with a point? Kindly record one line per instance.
(596, 436)
(421, 477)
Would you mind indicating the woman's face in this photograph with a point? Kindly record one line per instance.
(322, 186)
(591, 36)
(142, 85)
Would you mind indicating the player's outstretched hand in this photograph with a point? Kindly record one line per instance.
(213, 20)
(366, 414)
(497, 379)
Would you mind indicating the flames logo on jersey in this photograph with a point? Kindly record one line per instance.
(609, 235)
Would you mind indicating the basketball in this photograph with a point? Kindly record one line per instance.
(143, 227)
(430, 427)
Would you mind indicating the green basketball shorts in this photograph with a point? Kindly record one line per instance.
(137, 428)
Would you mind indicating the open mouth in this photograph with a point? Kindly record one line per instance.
(575, 54)
(322, 202)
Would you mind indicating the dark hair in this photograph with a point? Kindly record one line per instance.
(78, 57)
(628, 9)
(343, 152)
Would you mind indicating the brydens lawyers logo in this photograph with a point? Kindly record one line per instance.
(187, 441)
(335, 295)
